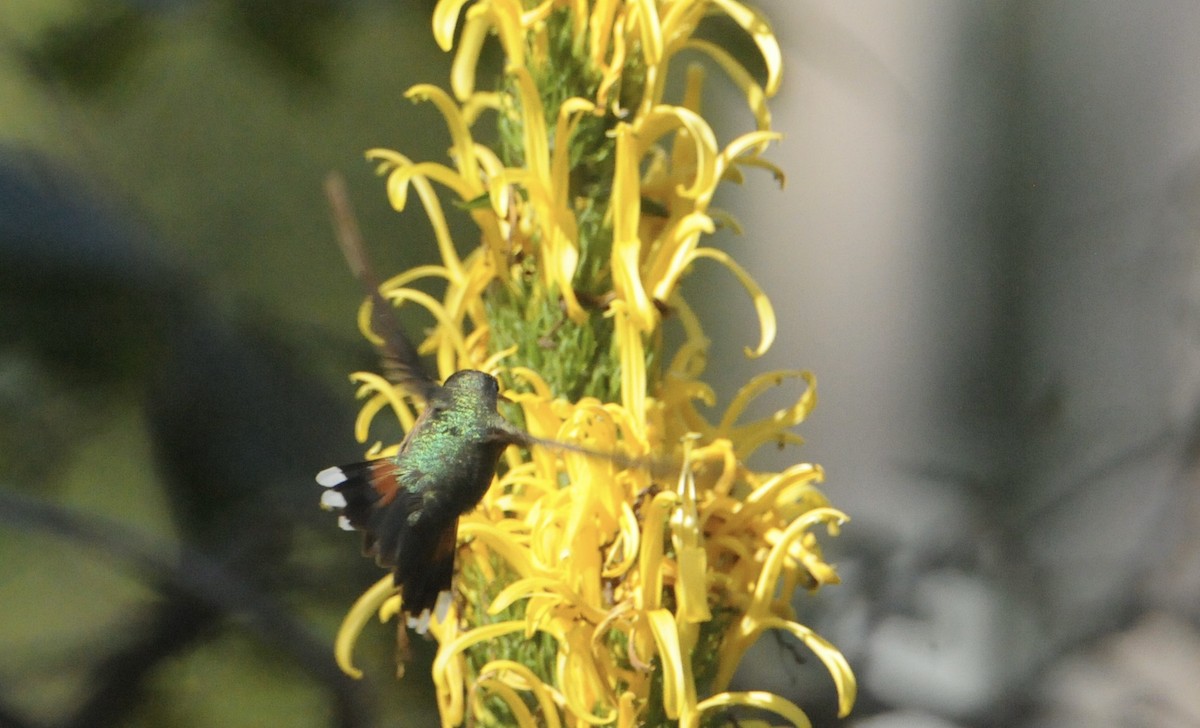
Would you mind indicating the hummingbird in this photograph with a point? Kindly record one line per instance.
(407, 506)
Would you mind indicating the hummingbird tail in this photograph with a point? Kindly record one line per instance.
(418, 544)
(425, 578)
(357, 491)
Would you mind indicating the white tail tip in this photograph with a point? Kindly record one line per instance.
(442, 607)
(330, 477)
(331, 499)
(420, 623)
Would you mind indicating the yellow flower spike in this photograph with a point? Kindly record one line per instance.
(462, 150)
(691, 588)
(579, 16)
(474, 106)
(408, 277)
(390, 608)
(558, 235)
(401, 176)
(732, 544)
(364, 608)
(476, 27)
(540, 389)
(693, 87)
(689, 362)
(577, 545)
(633, 434)
(454, 347)
(492, 363)
(761, 700)
(641, 21)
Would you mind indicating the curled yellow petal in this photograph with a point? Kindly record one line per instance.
(499, 542)
(679, 689)
(364, 608)
(679, 249)
(626, 545)
(543, 694)
(386, 395)
(633, 361)
(761, 700)
(756, 97)
(835, 662)
(475, 31)
(520, 711)
(649, 596)
(445, 19)
(766, 313)
(760, 30)
(460, 133)
(627, 244)
(765, 588)
(450, 695)
(533, 127)
(665, 119)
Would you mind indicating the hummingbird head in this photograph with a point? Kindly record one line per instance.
(477, 388)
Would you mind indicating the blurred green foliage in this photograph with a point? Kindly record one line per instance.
(207, 126)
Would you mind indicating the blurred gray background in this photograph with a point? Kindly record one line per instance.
(985, 250)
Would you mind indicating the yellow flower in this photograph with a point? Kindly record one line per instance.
(590, 593)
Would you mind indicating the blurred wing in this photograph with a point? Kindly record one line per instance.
(401, 363)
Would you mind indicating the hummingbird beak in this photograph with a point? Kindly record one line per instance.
(502, 398)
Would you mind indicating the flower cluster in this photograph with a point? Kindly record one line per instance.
(590, 590)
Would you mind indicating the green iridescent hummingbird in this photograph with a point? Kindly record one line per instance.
(408, 506)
